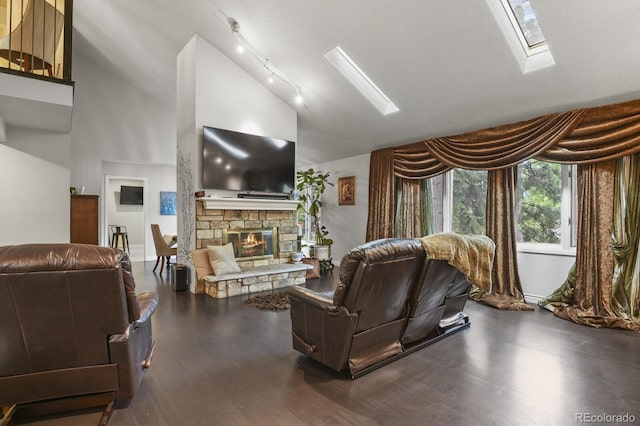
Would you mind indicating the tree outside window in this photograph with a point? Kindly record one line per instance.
(468, 214)
(538, 202)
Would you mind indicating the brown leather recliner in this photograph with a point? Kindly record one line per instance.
(391, 300)
(437, 301)
(72, 324)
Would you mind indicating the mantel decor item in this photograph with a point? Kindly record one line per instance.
(347, 191)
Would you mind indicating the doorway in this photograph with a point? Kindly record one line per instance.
(127, 213)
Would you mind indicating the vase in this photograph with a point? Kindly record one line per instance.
(321, 252)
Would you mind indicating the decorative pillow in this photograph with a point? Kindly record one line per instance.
(200, 258)
(222, 259)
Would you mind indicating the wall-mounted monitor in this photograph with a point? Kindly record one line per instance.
(237, 161)
(131, 195)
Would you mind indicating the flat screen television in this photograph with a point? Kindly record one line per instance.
(237, 161)
(131, 195)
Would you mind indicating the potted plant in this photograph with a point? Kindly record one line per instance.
(311, 185)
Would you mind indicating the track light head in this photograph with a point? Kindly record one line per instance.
(233, 24)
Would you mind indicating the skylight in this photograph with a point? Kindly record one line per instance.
(352, 72)
(525, 23)
(525, 39)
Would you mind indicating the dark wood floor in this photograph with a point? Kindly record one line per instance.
(220, 362)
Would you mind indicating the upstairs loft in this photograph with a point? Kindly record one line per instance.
(36, 90)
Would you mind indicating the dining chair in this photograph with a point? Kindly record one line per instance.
(163, 251)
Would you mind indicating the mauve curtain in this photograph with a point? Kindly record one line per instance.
(604, 133)
(589, 302)
(574, 137)
(601, 289)
(380, 221)
(625, 292)
(414, 208)
(506, 289)
(594, 254)
(582, 136)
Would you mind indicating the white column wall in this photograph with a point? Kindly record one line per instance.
(213, 91)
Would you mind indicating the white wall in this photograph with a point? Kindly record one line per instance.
(53, 147)
(347, 225)
(117, 130)
(35, 199)
(214, 91)
(113, 121)
(542, 274)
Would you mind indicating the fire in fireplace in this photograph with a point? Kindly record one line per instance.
(252, 244)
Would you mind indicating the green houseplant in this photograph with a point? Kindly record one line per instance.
(311, 185)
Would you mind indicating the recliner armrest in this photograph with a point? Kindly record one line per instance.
(148, 302)
(312, 298)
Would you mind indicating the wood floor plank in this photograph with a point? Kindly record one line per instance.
(220, 362)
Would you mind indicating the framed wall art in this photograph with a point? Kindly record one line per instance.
(347, 191)
(167, 203)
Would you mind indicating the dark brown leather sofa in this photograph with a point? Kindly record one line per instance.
(391, 301)
(71, 324)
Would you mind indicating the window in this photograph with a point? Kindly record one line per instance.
(545, 203)
(459, 200)
(538, 202)
(525, 23)
(522, 31)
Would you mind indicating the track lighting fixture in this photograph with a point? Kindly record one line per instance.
(274, 73)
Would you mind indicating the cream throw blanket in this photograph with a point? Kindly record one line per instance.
(471, 254)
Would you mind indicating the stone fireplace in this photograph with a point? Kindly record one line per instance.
(264, 234)
(223, 220)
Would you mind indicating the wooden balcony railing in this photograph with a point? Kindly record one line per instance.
(35, 37)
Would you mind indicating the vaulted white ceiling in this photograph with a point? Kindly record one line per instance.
(444, 63)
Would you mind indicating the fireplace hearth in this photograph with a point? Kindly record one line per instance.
(252, 244)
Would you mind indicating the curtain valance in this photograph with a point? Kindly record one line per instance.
(580, 137)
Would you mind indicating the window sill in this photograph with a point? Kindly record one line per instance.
(548, 249)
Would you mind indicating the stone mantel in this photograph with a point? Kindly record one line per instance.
(218, 203)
